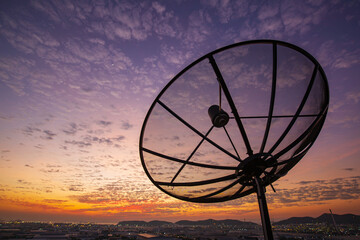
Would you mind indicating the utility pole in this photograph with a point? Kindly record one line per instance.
(332, 216)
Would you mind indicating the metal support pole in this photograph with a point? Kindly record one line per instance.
(265, 219)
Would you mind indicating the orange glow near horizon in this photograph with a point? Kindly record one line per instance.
(173, 210)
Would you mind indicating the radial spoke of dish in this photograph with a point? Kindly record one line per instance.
(192, 154)
(189, 163)
(320, 117)
(272, 99)
(196, 131)
(199, 183)
(279, 116)
(218, 191)
(298, 111)
(237, 154)
(231, 103)
(239, 191)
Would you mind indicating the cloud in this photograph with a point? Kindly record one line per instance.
(272, 20)
(348, 169)
(166, 24)
(271, 27)
(268, 11)
(229, 10)
(74, 67)
(23, 182)
(353, 96)
(51, 168)
(34, 205)
(175, 56)
(48, 135)
(61, 61)
(76, 188)
(14, 72)
(80, 144)
(280, 19)
(104, 123)
(199, 28)
(206, 190)
(57, 201)
(29, 131)
(124, 20)
(24, 35)
(126, 125)
(300, 17)
(90, 52)
(89, 140)
(109, 141)
(122, 192)
(72, 129)
(320, 191)
(330, 55)
(47, 8)
(33, 131)
(158, 7)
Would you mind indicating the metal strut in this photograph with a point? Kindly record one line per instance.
(231, 104)
(265, 219)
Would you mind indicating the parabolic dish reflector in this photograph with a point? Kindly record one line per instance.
(248, 110)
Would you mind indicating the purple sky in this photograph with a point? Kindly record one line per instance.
(77, 78)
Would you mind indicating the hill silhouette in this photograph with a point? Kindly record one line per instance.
(324, 218)
(215, 222)
(143, 223)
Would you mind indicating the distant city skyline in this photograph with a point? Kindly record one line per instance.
(181, 230)
(77, 79)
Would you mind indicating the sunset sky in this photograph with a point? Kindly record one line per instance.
(78, 77)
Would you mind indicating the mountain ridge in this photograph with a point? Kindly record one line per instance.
(324, 218)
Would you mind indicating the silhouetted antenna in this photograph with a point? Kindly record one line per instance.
(333, 219)
(233, 122)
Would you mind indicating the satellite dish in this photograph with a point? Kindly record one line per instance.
(233, 122)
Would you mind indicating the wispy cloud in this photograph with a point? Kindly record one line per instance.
(29, 131)
(126, 125)
(199, 28)
(354, 96)
(89, 140)
(14, 71)
(330, 55)
(230, 10)
(116, 191)
(37, 132)
(49, 135)
(52, 170)
(104, 123)
(72, 129)
(80, 144)
(175, 56)
(76, 188)
(320, 190)
(23, 182)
